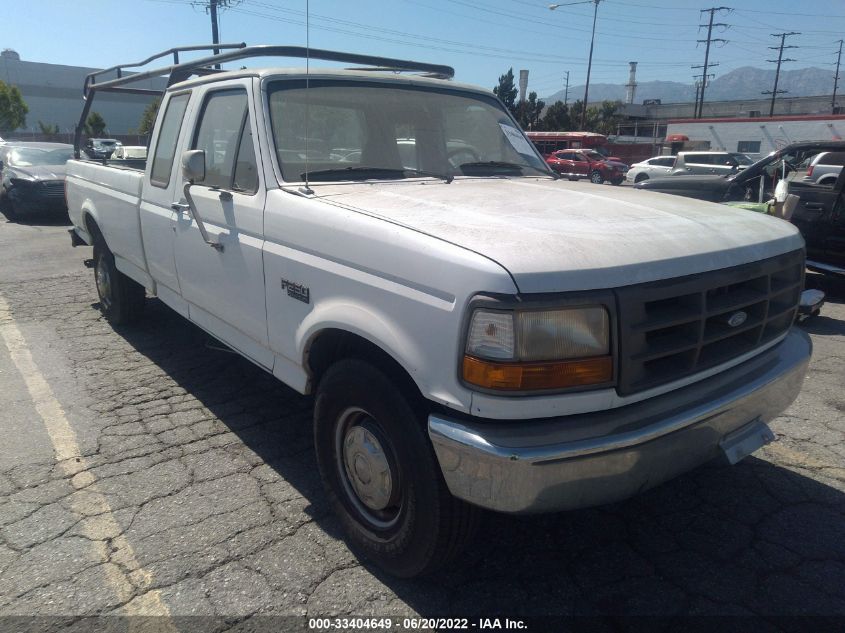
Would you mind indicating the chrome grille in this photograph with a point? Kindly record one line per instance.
(674, 328)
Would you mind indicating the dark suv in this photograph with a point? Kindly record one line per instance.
(100, 147)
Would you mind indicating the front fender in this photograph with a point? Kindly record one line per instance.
(369, 323)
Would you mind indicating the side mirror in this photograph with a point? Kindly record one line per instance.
(193, 165)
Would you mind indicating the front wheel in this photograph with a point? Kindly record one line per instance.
(596, 177)
(381, 475)
(121, 298)
(641, 177)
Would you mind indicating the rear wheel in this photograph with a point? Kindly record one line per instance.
(616, 181)
(596, 177)
(121, 298)
(381, 475)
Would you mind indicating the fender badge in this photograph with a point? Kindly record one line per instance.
(297, 291)
(737, 319)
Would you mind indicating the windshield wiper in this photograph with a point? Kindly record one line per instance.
(366, 173)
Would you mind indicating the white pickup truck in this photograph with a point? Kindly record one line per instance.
(477, 333)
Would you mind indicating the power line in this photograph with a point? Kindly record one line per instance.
(212, 7)
(712, 11)
(774, 91)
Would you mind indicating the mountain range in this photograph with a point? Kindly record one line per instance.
(742, 83)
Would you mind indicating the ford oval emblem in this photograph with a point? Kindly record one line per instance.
(737, 319)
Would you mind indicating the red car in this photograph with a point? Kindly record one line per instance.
(587, 163)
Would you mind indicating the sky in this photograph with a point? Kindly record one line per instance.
(481, 39)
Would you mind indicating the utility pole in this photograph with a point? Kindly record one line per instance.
(212, 7)
(835, 80)
(699, 107)
(589, 66)
(700, 80)
(774, 91)
(566, 89)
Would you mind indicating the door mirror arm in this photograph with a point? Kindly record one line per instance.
(186, 190)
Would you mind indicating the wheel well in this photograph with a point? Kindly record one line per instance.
(827, 181)
(332, 345)
(641, 177)
(91, 226)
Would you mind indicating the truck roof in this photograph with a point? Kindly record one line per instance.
(328, 73)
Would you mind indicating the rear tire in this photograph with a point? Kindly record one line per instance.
(381, 475)
(596, 178)
(121, 298)
(616, 181)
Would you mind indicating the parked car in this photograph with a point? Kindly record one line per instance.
(651, 168)
(754, 183)
(124, 152)
(32, 178)
(706, 163)
(475, 336)
(588, 163)
(818, 213)
(100, 147)
(823, 168)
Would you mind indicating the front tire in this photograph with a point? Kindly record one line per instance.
(596, 178)
(381, 475)
(641, 177)
(121, 298)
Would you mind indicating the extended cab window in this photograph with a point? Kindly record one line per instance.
(225, 135)
(168, 135)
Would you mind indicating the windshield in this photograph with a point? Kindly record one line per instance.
(31, 156)
(360, 130)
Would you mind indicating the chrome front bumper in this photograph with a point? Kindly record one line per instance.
(590, 459)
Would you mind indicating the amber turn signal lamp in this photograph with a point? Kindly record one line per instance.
(532, 376)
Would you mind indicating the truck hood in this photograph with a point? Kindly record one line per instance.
(554, 236)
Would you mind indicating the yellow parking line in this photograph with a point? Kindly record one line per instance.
(98, 522)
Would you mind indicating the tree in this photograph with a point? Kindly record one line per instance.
(148, 118)
(50, 131)
(13, 109)
(528, 112)
(557, 118)
(95, 125)
(507, 91)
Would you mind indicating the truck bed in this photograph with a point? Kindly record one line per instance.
(111, 195)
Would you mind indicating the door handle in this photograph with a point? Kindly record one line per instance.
(814, 206)
(180, 207)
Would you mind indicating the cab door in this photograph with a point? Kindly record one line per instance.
(223, 281)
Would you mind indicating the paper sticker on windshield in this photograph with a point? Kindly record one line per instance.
(516, 139)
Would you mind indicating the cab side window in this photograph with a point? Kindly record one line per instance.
(225, 135)
(168, 135)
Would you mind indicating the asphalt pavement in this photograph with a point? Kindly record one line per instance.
(144, 471)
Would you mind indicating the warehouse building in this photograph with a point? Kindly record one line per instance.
(53, 93)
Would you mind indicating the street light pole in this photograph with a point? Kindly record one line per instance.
(552, 7)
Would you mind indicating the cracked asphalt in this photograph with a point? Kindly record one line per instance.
(196, 490)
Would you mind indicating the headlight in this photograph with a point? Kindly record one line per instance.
(525, 350)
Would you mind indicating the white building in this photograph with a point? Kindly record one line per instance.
(751, 135)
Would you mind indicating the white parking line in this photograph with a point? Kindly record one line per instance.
(94, 510)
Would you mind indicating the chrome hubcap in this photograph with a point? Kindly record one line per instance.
(103, 282)
(367, 468)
